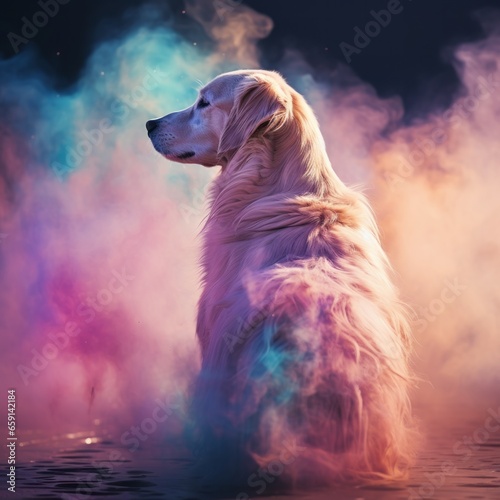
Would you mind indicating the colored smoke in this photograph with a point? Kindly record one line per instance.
(98, 233)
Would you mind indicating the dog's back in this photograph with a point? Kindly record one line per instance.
(303, 339)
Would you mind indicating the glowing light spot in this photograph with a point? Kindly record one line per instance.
(88, 441)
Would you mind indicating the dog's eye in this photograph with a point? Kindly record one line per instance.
(203, 103)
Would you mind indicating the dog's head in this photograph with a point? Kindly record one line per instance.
(228, 112)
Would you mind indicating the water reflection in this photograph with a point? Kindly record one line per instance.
(83, 465)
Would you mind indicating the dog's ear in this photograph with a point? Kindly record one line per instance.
(260, 103)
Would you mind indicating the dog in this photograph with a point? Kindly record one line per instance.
(305, 345)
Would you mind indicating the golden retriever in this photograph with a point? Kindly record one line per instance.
(304, 342)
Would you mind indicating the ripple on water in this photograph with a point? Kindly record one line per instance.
(165, 473)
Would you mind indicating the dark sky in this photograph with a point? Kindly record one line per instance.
(408, 57)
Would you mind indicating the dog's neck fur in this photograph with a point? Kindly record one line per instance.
(281, 164)
(282, 180)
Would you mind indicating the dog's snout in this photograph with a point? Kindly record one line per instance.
(151, 125)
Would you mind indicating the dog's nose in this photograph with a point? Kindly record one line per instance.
(151, 125)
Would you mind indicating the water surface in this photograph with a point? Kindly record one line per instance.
(460, 459)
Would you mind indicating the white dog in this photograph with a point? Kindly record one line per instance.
(304, 342)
